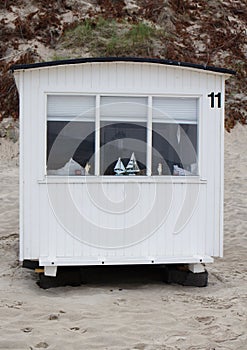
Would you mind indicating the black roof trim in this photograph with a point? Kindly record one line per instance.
(121, 59)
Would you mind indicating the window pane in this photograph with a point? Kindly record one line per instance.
(70, 135)
(61, 107)
(175, 110)
(174, 149)
(121, 140)
(123, 134)
(124, 109)
(70, 148)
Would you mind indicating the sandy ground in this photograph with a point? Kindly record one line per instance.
(138, 314)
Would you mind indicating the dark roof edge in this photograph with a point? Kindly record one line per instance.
(121, 59)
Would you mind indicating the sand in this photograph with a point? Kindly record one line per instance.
(134, 314)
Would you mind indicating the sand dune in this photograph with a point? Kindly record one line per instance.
(143, 314)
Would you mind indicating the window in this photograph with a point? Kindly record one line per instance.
(123, 133)
(70, 135)
(174, 136)
(123, 139)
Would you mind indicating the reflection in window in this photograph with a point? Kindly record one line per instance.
(70, 148)
(174, 149)
(123, 135)
(122, 146)
(70, 135)
(174, 136)
(121, 140)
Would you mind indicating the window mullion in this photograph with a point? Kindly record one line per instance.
(149, 137)
(97, 136)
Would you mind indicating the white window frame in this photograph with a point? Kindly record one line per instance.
(149, 132)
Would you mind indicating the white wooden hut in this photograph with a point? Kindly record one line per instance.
(83, 199)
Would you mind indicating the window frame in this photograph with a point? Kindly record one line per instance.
(149, 124)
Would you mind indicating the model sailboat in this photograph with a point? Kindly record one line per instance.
(119, 167)
(132, 167)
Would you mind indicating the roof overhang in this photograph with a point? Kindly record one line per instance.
(17, 67)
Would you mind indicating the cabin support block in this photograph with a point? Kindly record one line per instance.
(51, 271)
(180, 274)
(196, 268)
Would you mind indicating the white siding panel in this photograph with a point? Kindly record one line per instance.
(86, 81)
(163, 78)
(96, 77)
(43, 231)
(212, 165)
(123, 78)
(52, 76)
(218, 180)
(20, 85)
(34, 150)
(104, 76)
(154, 78)
(72, 226)
(60, 78)
(186, 77)
(122, 81)
(27, 142)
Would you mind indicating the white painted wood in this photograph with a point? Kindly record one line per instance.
(20, 83)
(149, 136)
(97, 136)
(196, 268)
(221, 198)
(51, 271)
(138, 260)
(88, 220)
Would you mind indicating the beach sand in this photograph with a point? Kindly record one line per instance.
(141, 314)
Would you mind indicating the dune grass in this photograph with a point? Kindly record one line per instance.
(108, 37)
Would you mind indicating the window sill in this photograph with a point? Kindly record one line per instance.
(122, 179)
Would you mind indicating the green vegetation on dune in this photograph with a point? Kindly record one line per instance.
(108, 37)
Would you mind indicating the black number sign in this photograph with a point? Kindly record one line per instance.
(212, 98)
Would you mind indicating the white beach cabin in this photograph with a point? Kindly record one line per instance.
(121, 162)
